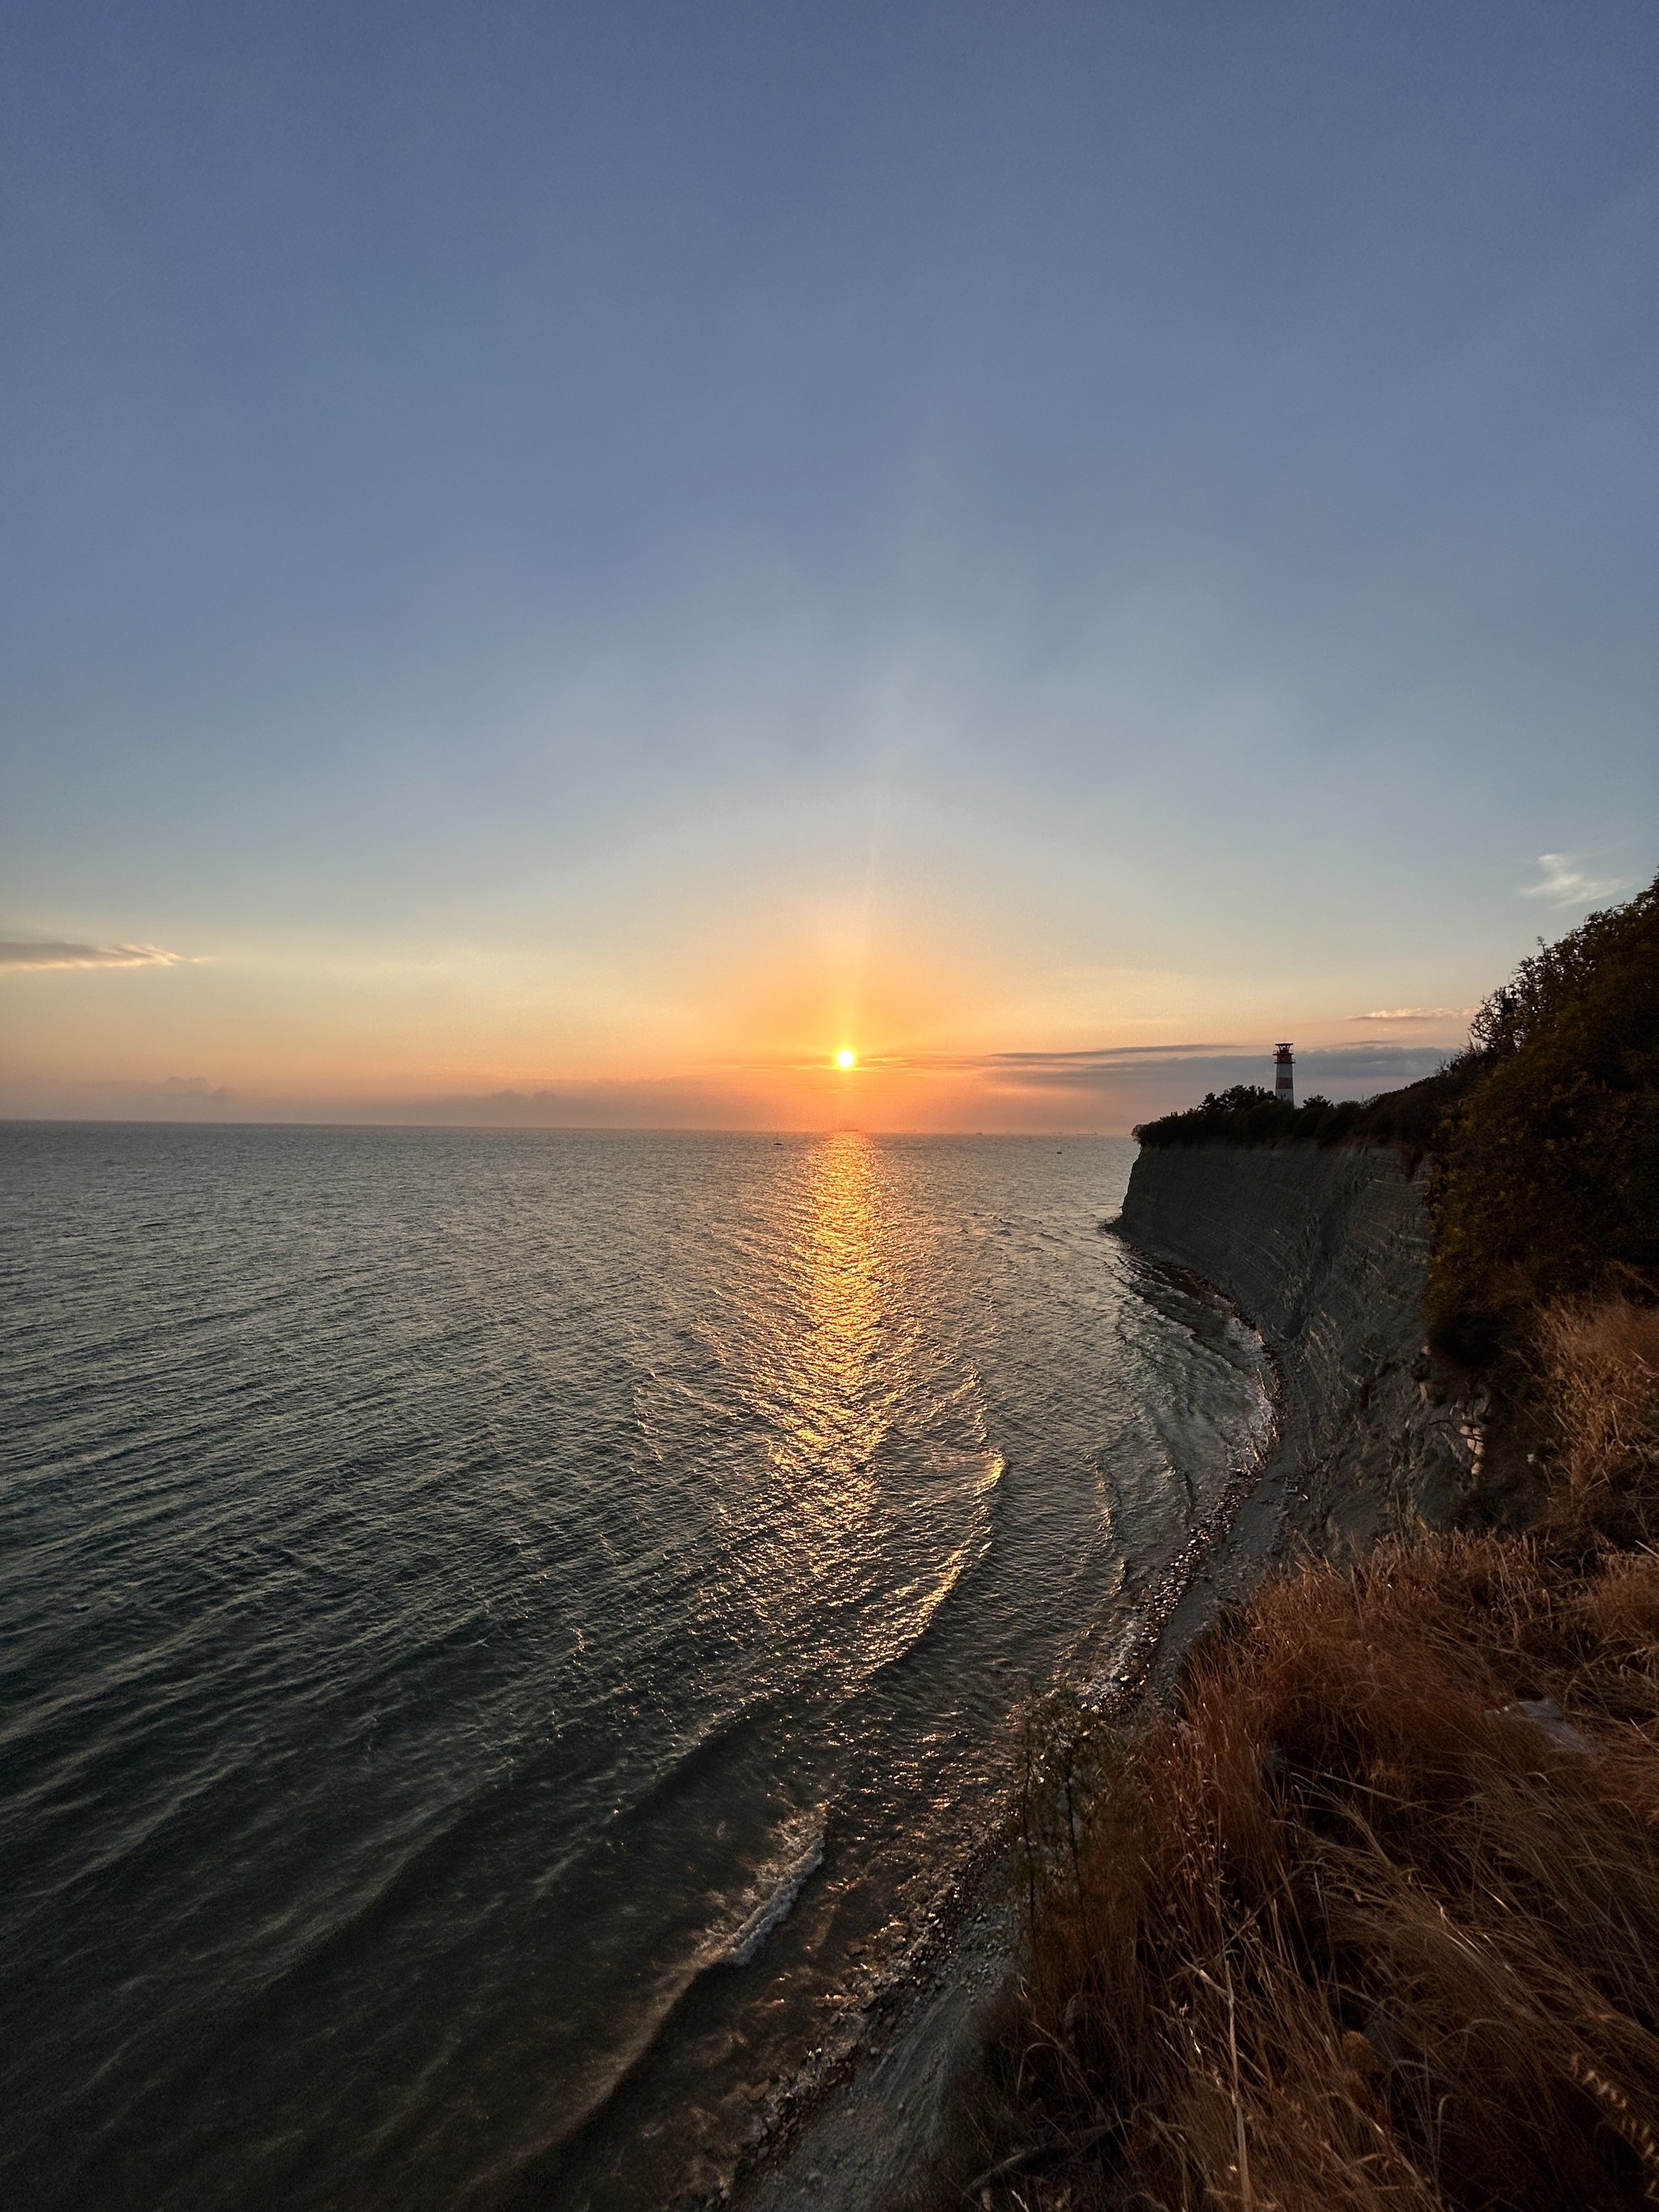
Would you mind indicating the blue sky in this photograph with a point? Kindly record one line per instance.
(601, 553)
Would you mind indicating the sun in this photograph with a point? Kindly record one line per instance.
(846, 1057)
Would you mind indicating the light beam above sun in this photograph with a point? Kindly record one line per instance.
(846, 1057)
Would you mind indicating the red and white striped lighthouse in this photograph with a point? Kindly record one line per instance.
(1284, 1075)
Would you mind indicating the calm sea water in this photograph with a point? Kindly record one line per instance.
(504, 1635)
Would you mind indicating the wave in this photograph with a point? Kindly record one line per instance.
(751, 1938)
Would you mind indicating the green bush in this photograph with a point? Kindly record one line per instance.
(1547, 1174)
(1248, 1114)
(1245, 1114)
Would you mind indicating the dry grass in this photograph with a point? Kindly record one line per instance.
(1600, 1359)
(1348, 1927)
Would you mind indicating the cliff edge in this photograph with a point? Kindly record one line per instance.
(1326, 1252)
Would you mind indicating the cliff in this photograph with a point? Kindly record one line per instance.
(1325, 1250)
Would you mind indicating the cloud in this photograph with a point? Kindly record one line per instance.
(1109, 1089)
(1415, 1014)
(619, 1105)
(1564, 883)
(1052, 1067)
(55, 952)
(1101, 1059)
(1133, 1067)
(188, 1097)
(637, 1104)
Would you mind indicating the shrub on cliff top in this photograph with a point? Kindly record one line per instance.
(1547, 1175)
(1247, 1115)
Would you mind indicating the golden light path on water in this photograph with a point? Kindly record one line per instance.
(865, 1347)
(845, 1368)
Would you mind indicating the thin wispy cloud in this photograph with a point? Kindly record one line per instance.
(1060, 1066)
(1415, 1014)
(1563, 882)
(57, 952)
(1202, 1064)
(1119, 1065)
(1100, 1056)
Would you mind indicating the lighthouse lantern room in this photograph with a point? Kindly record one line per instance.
(1284, 1075)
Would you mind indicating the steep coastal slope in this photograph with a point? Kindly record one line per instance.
(1326, 1251)
(1378, 1845)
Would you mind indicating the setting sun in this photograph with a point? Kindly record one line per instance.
(845, 1057)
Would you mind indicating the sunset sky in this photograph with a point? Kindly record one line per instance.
(563, 563)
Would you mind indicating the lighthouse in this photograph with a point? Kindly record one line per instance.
(1284, 1075)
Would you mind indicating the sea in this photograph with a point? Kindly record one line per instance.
(508, 1636)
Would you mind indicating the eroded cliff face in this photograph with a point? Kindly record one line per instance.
(1326, 1253)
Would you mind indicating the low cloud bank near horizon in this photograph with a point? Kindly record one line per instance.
(1108, 1091)
(644, 1105)
(42, 1098)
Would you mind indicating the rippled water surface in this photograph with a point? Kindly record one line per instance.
(503, 1633)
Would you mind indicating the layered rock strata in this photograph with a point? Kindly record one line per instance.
(1325, 1252)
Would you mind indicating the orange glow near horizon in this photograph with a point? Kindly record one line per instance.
(728, 1035)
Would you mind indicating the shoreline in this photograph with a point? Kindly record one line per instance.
(1329, 1249)
(864, 2134)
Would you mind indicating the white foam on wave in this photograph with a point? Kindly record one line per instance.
(775, 1907)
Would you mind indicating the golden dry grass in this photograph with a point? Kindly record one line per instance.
(1600, 1359)
(1348, 1927)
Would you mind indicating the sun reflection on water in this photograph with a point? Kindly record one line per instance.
(841, 1401)
(864, 1419)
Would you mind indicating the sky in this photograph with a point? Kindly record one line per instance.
(566, 564)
